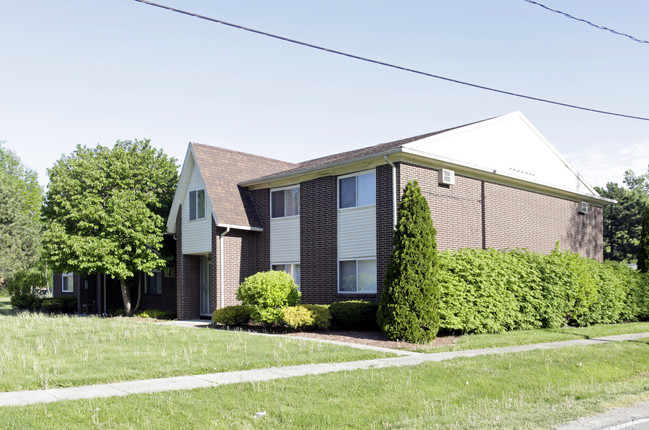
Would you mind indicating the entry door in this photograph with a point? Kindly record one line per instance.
(206, 266)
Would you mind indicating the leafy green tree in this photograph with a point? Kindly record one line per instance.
(639, 183)
(105, 210)
(622, 222)
(408, 309)
(20, 226)
(643, 253)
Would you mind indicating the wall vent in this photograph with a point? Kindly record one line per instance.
(447, 177)
(584, 208)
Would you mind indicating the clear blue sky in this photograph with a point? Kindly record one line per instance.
(94, 71)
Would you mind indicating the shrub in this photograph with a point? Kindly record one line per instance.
(354, 315)
(70, 304)
(266, 293)
(492, 291)
(27, 301)
(408, 309)
(231, 315)
(24, 289)
(53, 305)
(307, 316)
(643, 251)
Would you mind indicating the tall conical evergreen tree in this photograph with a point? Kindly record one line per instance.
(409, 304)
(643, 253)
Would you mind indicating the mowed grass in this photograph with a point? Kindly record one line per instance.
(524, 337)
(532, 390)
(38, 351)
(5, 306)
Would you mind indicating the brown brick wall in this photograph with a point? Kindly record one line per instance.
(456, 209)
(478, 214)
(318, 240)
(384, 223)
(262, 247)
(522, 219)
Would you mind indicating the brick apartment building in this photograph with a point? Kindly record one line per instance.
(328, 222)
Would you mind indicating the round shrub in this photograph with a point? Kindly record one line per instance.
(307, 316)
(354, 315)
(266, 293)
(231, 316)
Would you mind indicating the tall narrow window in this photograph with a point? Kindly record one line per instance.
(196, 204)
(285, 202)
(67, 283)
(357, 190)
(153, 284)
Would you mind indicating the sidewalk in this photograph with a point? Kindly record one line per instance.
(21, 398)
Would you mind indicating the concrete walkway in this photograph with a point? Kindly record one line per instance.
(20, 398)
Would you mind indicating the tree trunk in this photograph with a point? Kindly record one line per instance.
(139, 292)
(126, 296)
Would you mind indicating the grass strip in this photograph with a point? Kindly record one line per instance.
(39, 351)
(534, 390)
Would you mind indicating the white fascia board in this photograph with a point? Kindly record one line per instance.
(181, 189)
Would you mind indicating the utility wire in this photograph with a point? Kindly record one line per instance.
(381, 63)
(600, 27)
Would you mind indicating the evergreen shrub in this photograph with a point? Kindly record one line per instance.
(408, 309)
(70, 304)
(54, 306)
(231, 316)
(354, 315)
(266, 293)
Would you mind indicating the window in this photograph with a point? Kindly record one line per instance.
(67, 284)
(357, 190)
(285, 202)
(357, 276)
(292, 269)
(196, 204)
(153, 284)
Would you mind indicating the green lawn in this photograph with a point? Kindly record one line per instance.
(38, 351)
(523, 337)
(538, 389)
(5, 306)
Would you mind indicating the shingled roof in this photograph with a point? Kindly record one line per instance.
(222, 170)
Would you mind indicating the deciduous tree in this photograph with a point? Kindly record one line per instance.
(105, 211)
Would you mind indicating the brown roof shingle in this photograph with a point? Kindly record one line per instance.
(222, 170)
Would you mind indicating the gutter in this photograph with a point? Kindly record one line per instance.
(222, 266)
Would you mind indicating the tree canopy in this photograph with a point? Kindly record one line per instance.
(20, 226)
(105, 210)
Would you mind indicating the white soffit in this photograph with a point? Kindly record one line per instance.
(508, 145)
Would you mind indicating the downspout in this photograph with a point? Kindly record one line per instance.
(221, 266)
(394, 192)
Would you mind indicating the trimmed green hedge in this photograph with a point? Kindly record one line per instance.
(307, 317)
(231, 315)
(492, 291)
(354, 315)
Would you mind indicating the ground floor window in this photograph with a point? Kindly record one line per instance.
(67, 284)
(153, 284)
(357, 276)
(292, 269)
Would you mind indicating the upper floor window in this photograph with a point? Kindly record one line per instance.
(67, 284)
(196, 204)
(285, 202)
(357, 190)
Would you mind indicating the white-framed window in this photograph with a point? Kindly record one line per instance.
(67, 283)
(292, 269)
(285, 202)
(196, 204)
(153, 283)
(357, 190)
(357, 276)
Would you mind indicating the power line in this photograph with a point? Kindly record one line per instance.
(600, 27)
(393, 66)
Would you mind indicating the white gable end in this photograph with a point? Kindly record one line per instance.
(507, 145)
